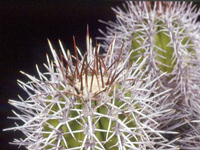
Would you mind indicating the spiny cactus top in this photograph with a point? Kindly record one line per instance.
(90, 103)
(169, 33)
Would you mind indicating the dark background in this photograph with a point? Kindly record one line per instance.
(24, 29)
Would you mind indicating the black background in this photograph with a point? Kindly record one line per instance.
(24, 29)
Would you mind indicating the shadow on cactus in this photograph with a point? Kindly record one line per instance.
(90, 102)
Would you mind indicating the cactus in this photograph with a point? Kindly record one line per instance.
(169, 33)
(91, 102)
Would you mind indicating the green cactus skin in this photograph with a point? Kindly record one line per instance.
(168, 32)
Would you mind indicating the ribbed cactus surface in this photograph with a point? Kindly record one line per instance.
(169, 33)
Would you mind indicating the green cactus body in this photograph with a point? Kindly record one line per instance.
(168, 33)
(102, 123)
(160, 44)
(92, 103)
